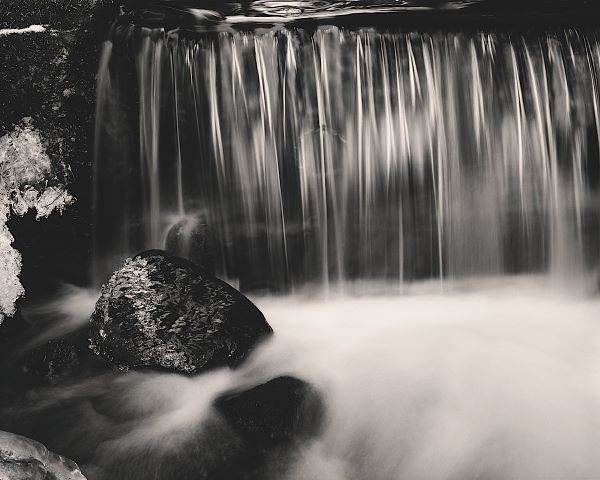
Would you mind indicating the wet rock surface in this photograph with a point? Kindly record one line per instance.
(278, 412)
(164, 312)
(61, 14)
(254, 434)
(193, 239)
(53, 361)
(62, 359)
(25, 459)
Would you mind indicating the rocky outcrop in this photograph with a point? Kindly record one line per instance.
(279, 412)
(25, 184)
(61, 14)
(165, 312)
(47, 84)
(25, 459)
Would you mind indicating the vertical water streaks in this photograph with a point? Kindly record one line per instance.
(333, 156)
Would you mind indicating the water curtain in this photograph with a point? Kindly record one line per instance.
(329, 156)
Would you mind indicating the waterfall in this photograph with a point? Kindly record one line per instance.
(328, 156)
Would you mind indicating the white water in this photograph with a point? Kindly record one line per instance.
(337, 155)
(496, 379)
(334, 157)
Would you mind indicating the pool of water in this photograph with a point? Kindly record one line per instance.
(496, 378)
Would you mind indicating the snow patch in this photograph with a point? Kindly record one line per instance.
(25, 170)
(30, 29)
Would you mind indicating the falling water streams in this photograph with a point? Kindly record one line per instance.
(414, 211)
(332, 156)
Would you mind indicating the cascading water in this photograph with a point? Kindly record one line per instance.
(327, 156)
(385, 162)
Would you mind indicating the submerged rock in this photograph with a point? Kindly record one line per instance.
(255, 434)
(25, 459)
(54, 360)
(165, 312)
(61, 359)
(193, 239)
(281, 411)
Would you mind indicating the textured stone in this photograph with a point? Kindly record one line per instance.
(163, 311)
(63, 14)
(25, 459)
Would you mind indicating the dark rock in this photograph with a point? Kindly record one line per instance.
(53, 361)
(164, 312)
(59, 14)
(193, 239)
(169, 16)
(12, 328)
(60, 359)
(254, 436)
(281, 411)
(25, 459)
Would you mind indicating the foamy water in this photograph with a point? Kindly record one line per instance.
(498, 381)
(488, 380)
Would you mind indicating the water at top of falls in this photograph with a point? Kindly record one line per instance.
(330, 156)
(290, 8)
(210, 13)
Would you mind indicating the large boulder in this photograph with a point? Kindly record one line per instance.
(165, 312)
(276, 413)
(25, 459)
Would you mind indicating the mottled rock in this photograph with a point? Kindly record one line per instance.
(278, 412)
(62, 14)
(165, 312)
(53, 361)
(25, 459)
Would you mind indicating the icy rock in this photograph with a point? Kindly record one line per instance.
(23, 159)
(24, 166)
(10, 265)
(50, 200)
(25, 459)
(162, 311)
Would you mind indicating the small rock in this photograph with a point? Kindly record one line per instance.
(61, 359)
(193, 239)
(25, 459)
(54, 360)
(165, 312)
(278, 412)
